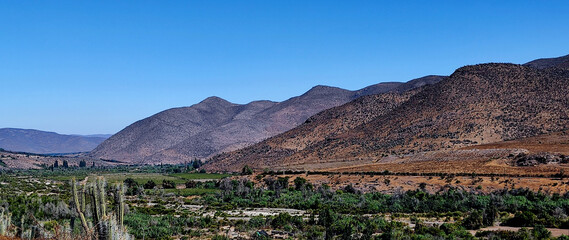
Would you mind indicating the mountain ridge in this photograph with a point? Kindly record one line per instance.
(44, 142)
(216, 125)
(477, 104)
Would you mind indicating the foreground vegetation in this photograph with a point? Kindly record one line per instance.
(164, 202)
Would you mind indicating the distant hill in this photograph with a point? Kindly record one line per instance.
(24, 160)
(543, 63)
(35, 141)
(215, 125)
(477, 104)
(105, 136)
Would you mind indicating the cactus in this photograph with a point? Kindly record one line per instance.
(98, 207)
(5, 222)
(80, 207)
(119, 195)
(105, 226)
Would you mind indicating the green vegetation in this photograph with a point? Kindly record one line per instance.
(246, 170)
(194, 176)
(191, 191)
(151, 204)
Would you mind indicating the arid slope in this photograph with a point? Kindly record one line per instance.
(477, 104)
(214, 125)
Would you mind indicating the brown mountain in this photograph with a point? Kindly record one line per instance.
(35, 141)
(214, 126)
(476, 104)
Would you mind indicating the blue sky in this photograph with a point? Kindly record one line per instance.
(86, 67)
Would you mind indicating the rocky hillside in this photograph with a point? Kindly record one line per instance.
(214, 125)
(35, 141)
(477, 104)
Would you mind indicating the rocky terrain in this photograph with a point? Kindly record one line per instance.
(477, 104)
(215, 125)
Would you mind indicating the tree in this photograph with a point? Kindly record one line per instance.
(246, 170)
(350, 189)
(299, 183)
(65, 164)
(82, 164)
(523, 219)
(168, 184)
(540, 232)
(489, 215)
(473, 221)
(129, 182)
(56, 164)
(191, 184)
(149, 185)
(196, 163)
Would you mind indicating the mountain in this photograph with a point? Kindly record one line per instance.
(477, 104)
(105, 136)
(215, 125)
(35, 141)
(543, 63)
(25, 160)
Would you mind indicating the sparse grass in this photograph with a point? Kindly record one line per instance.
(177, 178)
(193, 176)
(141, 178)
(190, 191)
(65, 178)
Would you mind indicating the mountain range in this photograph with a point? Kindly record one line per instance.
(42, 142)
(477, 104)
(215, 125)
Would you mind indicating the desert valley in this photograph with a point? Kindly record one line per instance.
(310, 120)
(384, 161)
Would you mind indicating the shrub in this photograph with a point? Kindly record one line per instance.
(246, 170)
(149, 185)
(168, 184)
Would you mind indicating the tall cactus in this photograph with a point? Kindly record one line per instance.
(5, 222)
(105, 227)
(80, 207)
(98, 206)
(119, 195)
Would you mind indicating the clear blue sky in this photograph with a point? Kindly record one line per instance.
(87, 67)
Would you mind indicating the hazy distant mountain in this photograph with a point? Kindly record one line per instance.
(477, 104)
(543, 63)
(35, 141)
(216, 125)
(95, 135)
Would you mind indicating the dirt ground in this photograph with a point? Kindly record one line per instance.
(395, 183)
(555, 232)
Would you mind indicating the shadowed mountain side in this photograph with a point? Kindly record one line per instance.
(477, 104)
(215, 126)
(163, 130)
(323, 126)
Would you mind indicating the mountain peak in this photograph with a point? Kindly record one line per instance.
(324, 90)
(215, 100)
